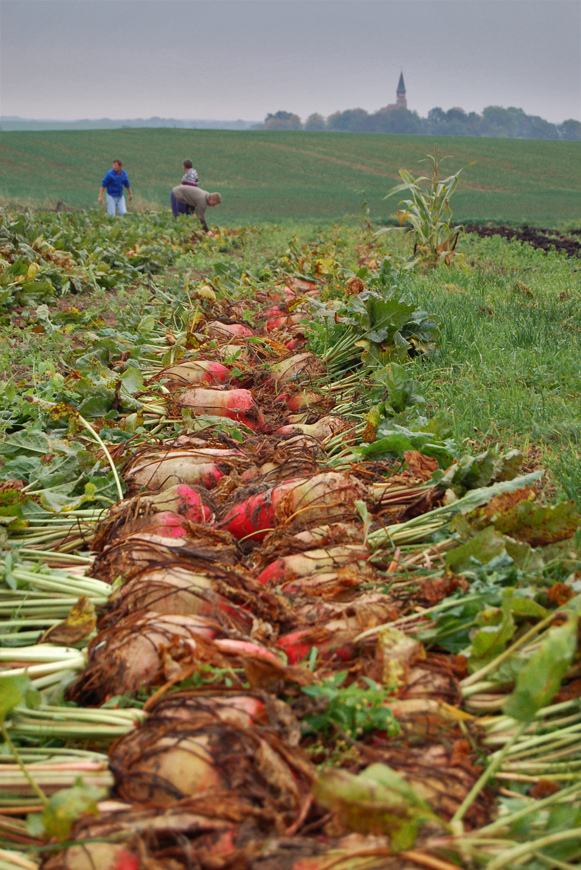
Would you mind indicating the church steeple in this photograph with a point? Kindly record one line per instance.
(400, 100)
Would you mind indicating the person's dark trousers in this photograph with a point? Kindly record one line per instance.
(178, 207)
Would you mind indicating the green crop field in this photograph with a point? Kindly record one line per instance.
(273, 176)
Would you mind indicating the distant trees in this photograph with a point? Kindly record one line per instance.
(315, 122)
(397, 121)
(352, 121)
(570, 130)
(282, 121)
(495, 121)
(515, 124)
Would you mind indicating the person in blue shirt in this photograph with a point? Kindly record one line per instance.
(114, 182)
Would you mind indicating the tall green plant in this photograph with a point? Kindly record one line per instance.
(429, 213)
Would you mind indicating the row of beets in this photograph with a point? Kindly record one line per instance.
(231, 561)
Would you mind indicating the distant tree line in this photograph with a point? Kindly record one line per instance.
(494, 121)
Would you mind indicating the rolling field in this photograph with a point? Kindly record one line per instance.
(273, 176)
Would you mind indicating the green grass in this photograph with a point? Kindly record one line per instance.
(274, 176)
(508, 369)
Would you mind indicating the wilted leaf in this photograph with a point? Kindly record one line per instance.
(508, 465)
(470, 472)
(146, 324)
(486, 545)
(98, 403)
(422, 467)
(204, 291)
(538, 525)
(11, 501)
(132, 378)
(31, 442)
(401, 388)
(492, 638)
(396, 439)
(489, 513)
(80, 623)
(377, 801)
(59, 498)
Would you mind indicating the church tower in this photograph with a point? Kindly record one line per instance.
(401, 101)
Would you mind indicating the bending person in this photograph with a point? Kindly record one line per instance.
(196, 200)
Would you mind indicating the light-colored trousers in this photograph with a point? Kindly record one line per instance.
(116, 203)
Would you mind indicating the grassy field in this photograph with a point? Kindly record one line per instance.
(274, 176)
(507, 369)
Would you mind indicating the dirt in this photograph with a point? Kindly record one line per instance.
(542, 239)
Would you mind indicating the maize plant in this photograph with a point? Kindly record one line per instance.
(429, 213)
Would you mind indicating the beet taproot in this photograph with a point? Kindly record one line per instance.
(289, 369)
(176, 589)
(194, 372)
(155, 469)
(128, 657)
(327, 496)
(311, 562)
(235, 404)
(217, 329)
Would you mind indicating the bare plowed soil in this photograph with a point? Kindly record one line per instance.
(538, 238)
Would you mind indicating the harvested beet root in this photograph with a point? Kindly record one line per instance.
(155, 469)
(127, 657)
(168, 760)
(323, 497)
(217, 329)
(194, 372)
(235, 404)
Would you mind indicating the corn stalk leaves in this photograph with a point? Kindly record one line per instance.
(428, 212)
(79, 624)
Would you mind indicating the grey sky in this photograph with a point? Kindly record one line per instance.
(229, 59)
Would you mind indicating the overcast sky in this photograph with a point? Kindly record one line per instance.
(231, 59)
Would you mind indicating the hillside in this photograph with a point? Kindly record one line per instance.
(271, 176)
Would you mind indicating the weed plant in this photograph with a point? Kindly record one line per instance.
(428, 215)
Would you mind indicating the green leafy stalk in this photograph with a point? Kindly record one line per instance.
(13, 691)
(485, 777)
(52, 406)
